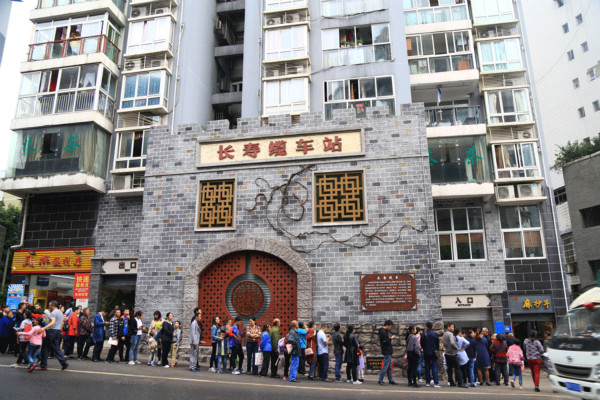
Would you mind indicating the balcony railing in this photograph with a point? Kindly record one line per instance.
(431, 15)
(64, 102)
(434, 64)
(453, 116)
(54, 3)
(74, 47)
(356, 55)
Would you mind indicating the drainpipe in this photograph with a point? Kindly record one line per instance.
(20, 245)
(177, 78)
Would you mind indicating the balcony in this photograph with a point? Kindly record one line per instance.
(74, 47)
(130, 121)
(338, 8)
(361, 54)
(277, 5)
(127, 185)
(151, 9)
(497, 31)
(454, 121)
(283, 18)
(437, 19)
(227, 6)
(48, 10)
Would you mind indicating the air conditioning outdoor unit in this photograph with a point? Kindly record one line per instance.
(275, 72)
(155, 63)
(296, 70)
(162, 10)
(274, 21)
(121, 182)
(290, 18)
(505, 192)
(529, 190)
(136, 12)
(508, 83)
(571, 269)
(522, 135)
(132, 64)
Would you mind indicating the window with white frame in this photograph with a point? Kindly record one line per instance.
(486, 11)
(510, 105)
(285, 96)
(333, 8)
(521, 231)
(150, 35)
(131, 149)
(592, 73)
(286, 43)
(460, 233)
(500, 55)
(271, 5)
(440, 52)
(516, 160)
(359, 94)
(144, 90)
(356, 45)
(432, 11)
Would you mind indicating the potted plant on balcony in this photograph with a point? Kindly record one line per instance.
(360, 42)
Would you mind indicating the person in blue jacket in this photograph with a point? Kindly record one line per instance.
(6, 329)
(266, 348)
(98, 335)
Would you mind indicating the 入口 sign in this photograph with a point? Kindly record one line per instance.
(466, 301)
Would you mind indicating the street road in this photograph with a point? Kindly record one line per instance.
(91, 381)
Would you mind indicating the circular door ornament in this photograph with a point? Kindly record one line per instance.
(247, 298)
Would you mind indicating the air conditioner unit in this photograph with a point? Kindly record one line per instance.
(508, 83)
(121, 182)
(275, 72)
(571, 269)
(505, 192)
(529, 190)
(162, 10)
(274, 21)
(296, 70)
(522, 135)
(155, 63)
(136, 12)
(290, 18)
(132, 64)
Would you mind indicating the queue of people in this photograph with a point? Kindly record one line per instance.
(470, 357)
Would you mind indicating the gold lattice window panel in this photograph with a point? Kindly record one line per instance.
(216, 205)
(339, 197)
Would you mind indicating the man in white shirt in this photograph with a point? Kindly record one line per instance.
(323, 352)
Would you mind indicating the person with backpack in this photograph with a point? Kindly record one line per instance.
(499, 349)
(275, 335)
(533, 352)
(515, 363)
(293, 348)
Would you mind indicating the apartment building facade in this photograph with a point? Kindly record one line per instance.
(178, 198)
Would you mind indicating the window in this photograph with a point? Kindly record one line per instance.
(286, 96)
(590, 216)
(332, 8)
(592, 73)
(432, 11)
(560, 195)
(560, 3)
(339, 197)
(565, 28)
(595, 267)
(576, 83)
(521, 231)
(359, 94)
(516, 161)
(66, 90)
(500, 55)
(460, 233)
(508, 106)
(150, 35)
(581, 111)
(458, 159)
(283, 4)
(356, 45)
(584, 46)
(216, 205)
(596, 105)
(286, 43)
(145, 90)
(131, 149)
(579, 19)
(570, 55)
(492, 10)
(440, 52)
(452, 113)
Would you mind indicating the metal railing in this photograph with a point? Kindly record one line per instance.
(55, 3)
(431, 15)
(132, 120)
(433, 64)
(74, 47)
(64, 102)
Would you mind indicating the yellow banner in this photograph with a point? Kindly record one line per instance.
(281, 148)
(52, 261)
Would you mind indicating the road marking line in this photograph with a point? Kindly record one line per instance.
(470, 392)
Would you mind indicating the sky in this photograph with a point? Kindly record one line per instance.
(15, 52)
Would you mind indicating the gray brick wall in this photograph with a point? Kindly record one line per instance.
(397, 187)
(119, 227)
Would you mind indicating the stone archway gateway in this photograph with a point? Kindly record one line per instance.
(253, 267)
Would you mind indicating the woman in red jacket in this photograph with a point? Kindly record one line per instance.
(72, 333)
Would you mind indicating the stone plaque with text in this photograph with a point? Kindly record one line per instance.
(388, 292)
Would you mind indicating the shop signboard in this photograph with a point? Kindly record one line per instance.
(82, 286)
(466, 301)
(536, 303)
(14, 295)
(388, 292)
(52, 261)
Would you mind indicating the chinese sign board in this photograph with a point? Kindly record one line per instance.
(388, 292)
(14, 295)
(281, 148)
(82, 286)
(52, 261)
(531, 304)
(466, 301)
